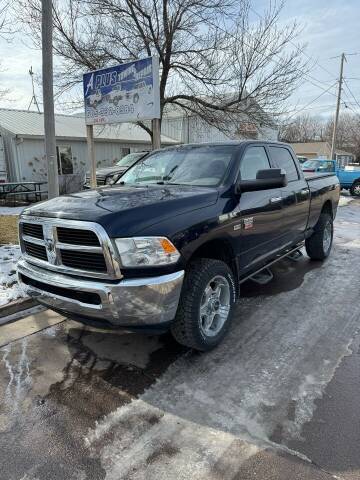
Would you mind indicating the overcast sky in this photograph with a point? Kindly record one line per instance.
(329, 27)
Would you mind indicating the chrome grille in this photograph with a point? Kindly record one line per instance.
(74, 236)
(33, 230)
(34, 250)
(68, 246)
(83, 260)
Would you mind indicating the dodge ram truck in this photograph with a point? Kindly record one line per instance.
(168, 246)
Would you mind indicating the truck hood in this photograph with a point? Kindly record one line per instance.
(124, 210)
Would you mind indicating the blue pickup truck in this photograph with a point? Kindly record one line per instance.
(349, 179)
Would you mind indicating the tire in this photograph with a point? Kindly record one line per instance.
(209, 287)
(355, 189)
(318, 246)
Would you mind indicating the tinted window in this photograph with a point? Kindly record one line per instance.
(254, 159)
(282, 159)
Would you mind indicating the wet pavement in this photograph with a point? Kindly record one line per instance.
(277, 400)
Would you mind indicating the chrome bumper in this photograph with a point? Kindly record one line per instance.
(133, 302)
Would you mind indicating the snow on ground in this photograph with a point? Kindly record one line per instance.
(11, 210)
(9, 287)
(345, 200)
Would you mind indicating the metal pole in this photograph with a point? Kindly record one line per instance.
(91, 154)
(336, 120)
(156, 129)
(48, 99)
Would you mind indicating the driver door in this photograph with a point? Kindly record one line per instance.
(260, 213)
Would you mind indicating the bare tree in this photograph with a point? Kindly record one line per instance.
(348, 133)
(6, 33)
(214, 61)
(304, 128)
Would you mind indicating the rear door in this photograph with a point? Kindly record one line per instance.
(260, 212)
(295, 196)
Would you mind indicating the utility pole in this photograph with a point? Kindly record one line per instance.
(48, 98)
(336, 120)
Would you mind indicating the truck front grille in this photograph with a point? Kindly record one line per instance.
(68, 246)
(76, 236)
(33, 230)
(34, 250)
(83, 260)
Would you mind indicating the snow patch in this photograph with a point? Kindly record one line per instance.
(9, 287)
(11, 210)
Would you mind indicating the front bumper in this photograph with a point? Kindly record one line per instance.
(127, 303)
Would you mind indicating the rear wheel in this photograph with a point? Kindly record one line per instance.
(318, 246)
(206, 305)
(355, 189)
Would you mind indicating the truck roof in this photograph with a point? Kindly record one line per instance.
(229, 143)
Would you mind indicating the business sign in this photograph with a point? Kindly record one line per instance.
(124, 93)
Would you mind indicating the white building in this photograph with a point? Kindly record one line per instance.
(22, 140)
(190, 128)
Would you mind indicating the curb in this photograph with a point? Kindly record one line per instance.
(17, 306)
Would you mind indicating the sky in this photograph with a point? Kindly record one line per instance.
(328, 28)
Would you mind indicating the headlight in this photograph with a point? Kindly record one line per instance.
(146, 251)
(108, 180)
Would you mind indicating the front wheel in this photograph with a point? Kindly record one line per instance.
(318, 246)
(206, 305)
(355, 189)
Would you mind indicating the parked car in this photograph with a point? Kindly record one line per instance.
(106, 175)
(349, 177)
(318, 165)
(168, 246)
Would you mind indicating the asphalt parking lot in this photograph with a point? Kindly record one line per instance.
(277, 400)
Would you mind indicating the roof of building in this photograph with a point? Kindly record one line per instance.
(31, 124)
(318, 148)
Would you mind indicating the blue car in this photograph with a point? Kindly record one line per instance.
(349, 178)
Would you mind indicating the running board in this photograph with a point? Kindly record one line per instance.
(263, 277)
(295, 256)
(279, 257)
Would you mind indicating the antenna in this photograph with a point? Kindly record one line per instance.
(33, 98)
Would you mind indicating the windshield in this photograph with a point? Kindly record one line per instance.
(311, 164)
(203, 166)
(130, 159)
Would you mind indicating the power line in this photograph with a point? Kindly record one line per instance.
(312, 101)
(304, 53)
(351, 93)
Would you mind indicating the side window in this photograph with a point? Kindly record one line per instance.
(254, 159)
(282, 159)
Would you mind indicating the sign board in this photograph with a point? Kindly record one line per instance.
(124, 93)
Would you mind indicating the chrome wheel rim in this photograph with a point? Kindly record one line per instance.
(327, 237)
(215, 306)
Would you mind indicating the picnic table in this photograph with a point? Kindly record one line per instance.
(22, 189)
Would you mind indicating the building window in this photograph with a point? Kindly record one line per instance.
(64, 159)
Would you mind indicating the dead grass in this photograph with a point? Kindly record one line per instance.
(9, 229)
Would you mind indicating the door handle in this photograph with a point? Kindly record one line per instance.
(275, 199)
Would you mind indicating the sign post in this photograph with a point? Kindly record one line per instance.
(91, 153)
(128, 92)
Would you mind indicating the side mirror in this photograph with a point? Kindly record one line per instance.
(265, 179)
